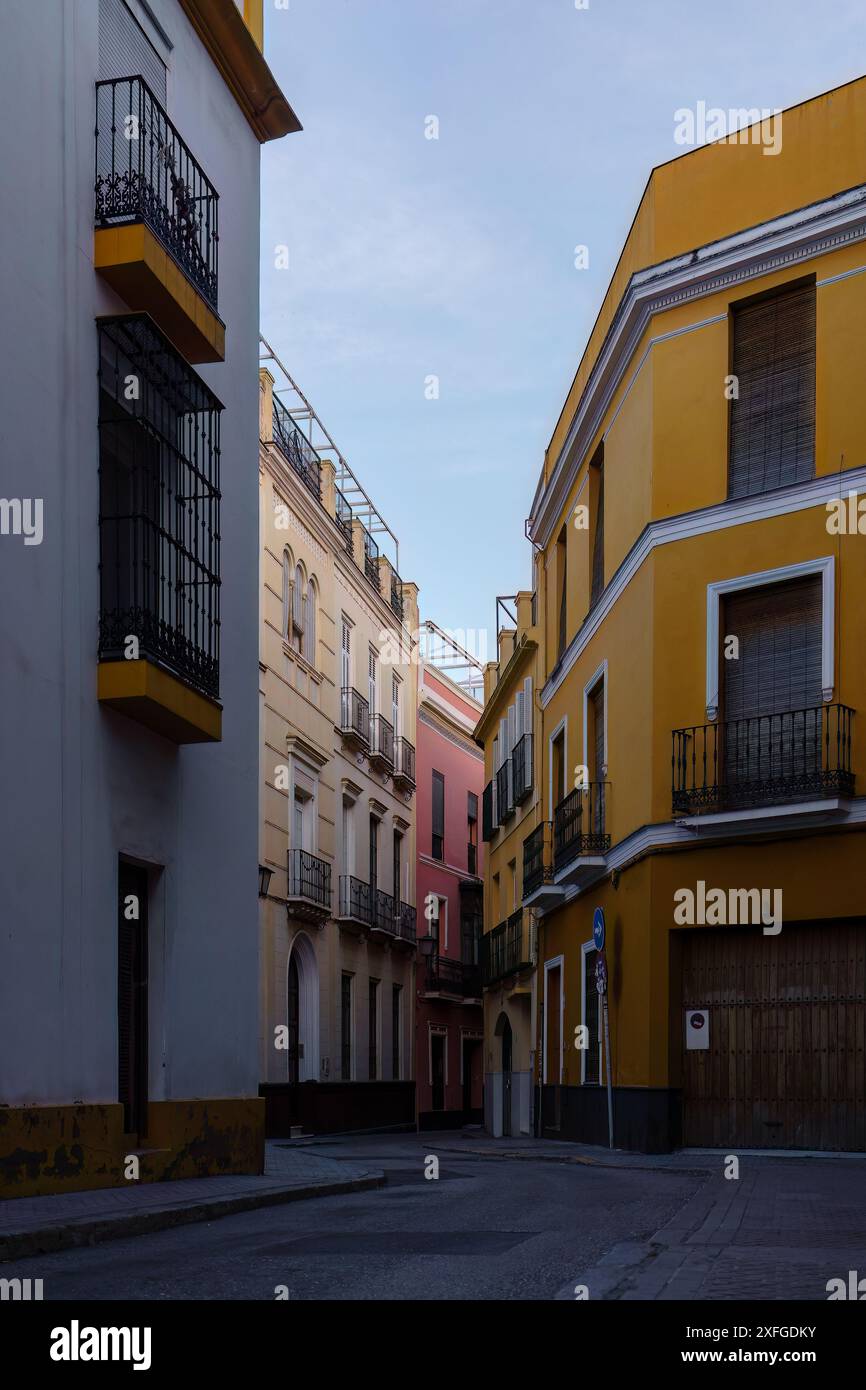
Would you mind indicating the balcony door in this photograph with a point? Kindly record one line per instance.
(595, 753)
(771, 688)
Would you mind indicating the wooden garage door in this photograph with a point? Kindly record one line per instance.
(787, 1037)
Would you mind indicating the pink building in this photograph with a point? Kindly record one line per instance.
(449, 1021)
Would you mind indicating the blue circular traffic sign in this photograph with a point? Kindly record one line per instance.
(598, 928)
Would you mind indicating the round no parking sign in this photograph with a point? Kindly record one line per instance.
(697, 1030)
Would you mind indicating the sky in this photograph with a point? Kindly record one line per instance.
(411, 258)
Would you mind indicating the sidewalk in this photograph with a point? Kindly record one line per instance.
(35, 1225)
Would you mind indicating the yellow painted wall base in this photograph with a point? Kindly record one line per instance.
(136, 265)
(150, 695)
(73, 1148)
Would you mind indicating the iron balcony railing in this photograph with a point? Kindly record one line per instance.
(489, 818)
(371, 559)
(521, 769)
(455, 977)
(159, 505)
(405, 921)
(381, 739)
(404, 760)
(146, 173)
(397, 596)
(578, 823)
(762, 760)
(343, 517)
(504, 799)
(538, 858)
(296, 449)
(357, 900)
(506, 949)
(354, 715)
(309, 878)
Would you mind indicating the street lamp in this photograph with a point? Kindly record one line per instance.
(264, 880)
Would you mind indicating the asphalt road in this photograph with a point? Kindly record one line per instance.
(487, 1228)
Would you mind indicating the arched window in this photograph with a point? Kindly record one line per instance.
(298, 605)
(287, 594)
(310, 624)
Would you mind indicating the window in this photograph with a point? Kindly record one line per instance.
(472, 833)
(441, 927)
(772, 422)
(438, 846)
(348, 847)
(287, 595)
(597, 495)
(396, 1031)
(373, 1020)
(398, 868)
(557, 779)
(346, 1027)
(395, 706)
(124, 48)
(562, 587)
(372, 680)
(345, 655)
(296, 637)
(374, 852)
(310, 624)
(592, 1059)
(298, 825)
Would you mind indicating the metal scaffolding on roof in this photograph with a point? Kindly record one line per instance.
(444, 653)
(320, 439)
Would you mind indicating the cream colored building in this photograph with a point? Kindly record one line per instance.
(338, 694)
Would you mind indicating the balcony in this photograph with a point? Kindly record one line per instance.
(539, 889)
(507, 950)
(521, 769)
(343, 518)
(504, 799)
(354, 719)
(405, 924)
(580, 842)
(451, 979)
(357, 902)
(764, 760)
(296, 449)
(156, 236)
(381, 751)
(404, 765)
(309, 886)
(489, 818)
(363, 905)
(397, 596)
(159, 535)
(371, 560)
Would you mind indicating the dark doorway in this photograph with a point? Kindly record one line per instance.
(506, 1078)
(132, 996)
(471, 1077)
(294, 1018)
(437, 1049)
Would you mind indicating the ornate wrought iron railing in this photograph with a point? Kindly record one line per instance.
(296, 449)
(521, 769)
(578, 823)
(343, 517)
(309, 878)
(381, 739)
(354, 714)
(404, 760)
(371, 559)
(397, 596)
(405, 919)
(538, 858)
(146, 173)
(357, 900)
(504, 797)
(159, 505)
(763, 759)
(506, 949)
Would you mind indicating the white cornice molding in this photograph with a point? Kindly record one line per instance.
(722, 515)
(787, 240)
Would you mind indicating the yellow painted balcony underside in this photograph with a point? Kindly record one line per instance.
(142, 272)
(163, 703)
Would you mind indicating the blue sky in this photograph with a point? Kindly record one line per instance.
(411, 257)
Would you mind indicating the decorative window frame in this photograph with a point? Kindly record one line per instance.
(598, 676)
(556, 961)
(826, 567)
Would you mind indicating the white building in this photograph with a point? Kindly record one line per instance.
(128, 634)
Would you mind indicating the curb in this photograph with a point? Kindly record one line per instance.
(86, 1230)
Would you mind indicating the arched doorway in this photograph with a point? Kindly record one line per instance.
(302, 1010)
(503, 1028)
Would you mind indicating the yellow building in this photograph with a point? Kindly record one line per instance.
(701, 578)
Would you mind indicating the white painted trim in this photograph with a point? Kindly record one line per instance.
(554, 734)
(793, 813)
(600, 674)
(441, 1031)
(586, 947)
(824, 566)
(721, 516)
(548, 966)
(780, 243)
(308, 1004)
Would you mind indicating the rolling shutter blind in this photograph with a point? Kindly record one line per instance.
(438, 804)
(125, 50)
(598, 544)
(773, 417)
(779, 663)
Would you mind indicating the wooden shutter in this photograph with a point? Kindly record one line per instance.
(773, 416)
(779, 664)
(439, 809)
(126, 51)
(598, 543)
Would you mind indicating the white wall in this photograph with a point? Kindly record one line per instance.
(81, 784)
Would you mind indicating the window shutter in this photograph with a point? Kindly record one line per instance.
(598, 543)
(779, 664)
(126, 51)
(310, 627)
(773, 416)
(527, 705)
(438, 804)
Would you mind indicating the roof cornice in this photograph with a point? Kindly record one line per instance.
(523, 650)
